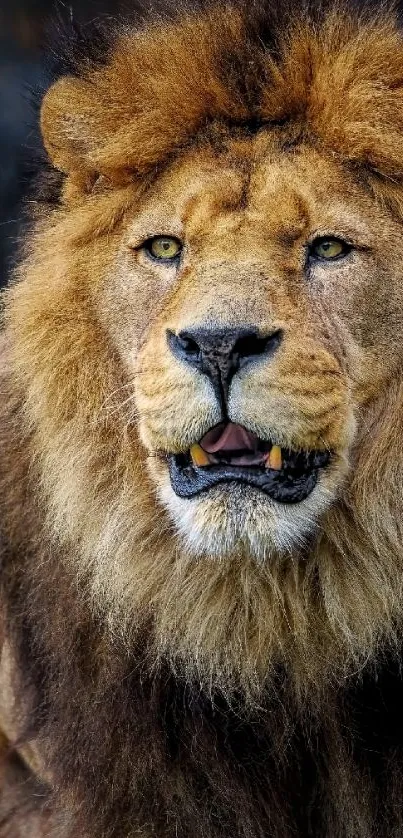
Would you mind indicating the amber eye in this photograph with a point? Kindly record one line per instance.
(329, 248)
(164, 247)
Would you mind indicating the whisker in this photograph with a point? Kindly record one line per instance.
(117, 407)
(111, 396)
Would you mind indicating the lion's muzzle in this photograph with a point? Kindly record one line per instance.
(230, 452)
(220, 353)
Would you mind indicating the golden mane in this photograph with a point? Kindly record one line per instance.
(333, 78)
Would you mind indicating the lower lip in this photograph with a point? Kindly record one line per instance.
(188, 480)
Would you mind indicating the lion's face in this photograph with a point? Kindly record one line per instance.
(249, 328)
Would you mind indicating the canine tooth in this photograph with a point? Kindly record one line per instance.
(274, 459)
(199, 457)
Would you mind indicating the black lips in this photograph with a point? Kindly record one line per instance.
(290, 484)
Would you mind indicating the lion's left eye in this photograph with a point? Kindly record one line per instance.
(329, 249)
(164, 247)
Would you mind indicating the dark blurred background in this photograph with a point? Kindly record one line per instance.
(24, 32)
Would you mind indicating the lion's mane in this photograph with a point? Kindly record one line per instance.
(139, 740)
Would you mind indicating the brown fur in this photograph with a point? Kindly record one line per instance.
(209, 667)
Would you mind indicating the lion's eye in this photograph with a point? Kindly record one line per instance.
(329, 248)
(164, 247)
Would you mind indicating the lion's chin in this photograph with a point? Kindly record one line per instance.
(237, 519)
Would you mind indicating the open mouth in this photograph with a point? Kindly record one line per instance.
(229, 452)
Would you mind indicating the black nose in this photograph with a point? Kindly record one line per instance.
(220, 353)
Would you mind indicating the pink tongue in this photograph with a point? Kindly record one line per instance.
(229, 437)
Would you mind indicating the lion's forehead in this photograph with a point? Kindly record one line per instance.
(255, 194)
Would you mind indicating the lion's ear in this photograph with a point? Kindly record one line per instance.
(67, 125)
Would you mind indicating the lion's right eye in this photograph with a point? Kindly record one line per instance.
(164, 248)
(329, 249)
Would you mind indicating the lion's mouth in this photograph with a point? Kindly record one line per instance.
(229, 452)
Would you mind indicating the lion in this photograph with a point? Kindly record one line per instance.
(202, 435)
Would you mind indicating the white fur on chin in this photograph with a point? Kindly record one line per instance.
(234, 518)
